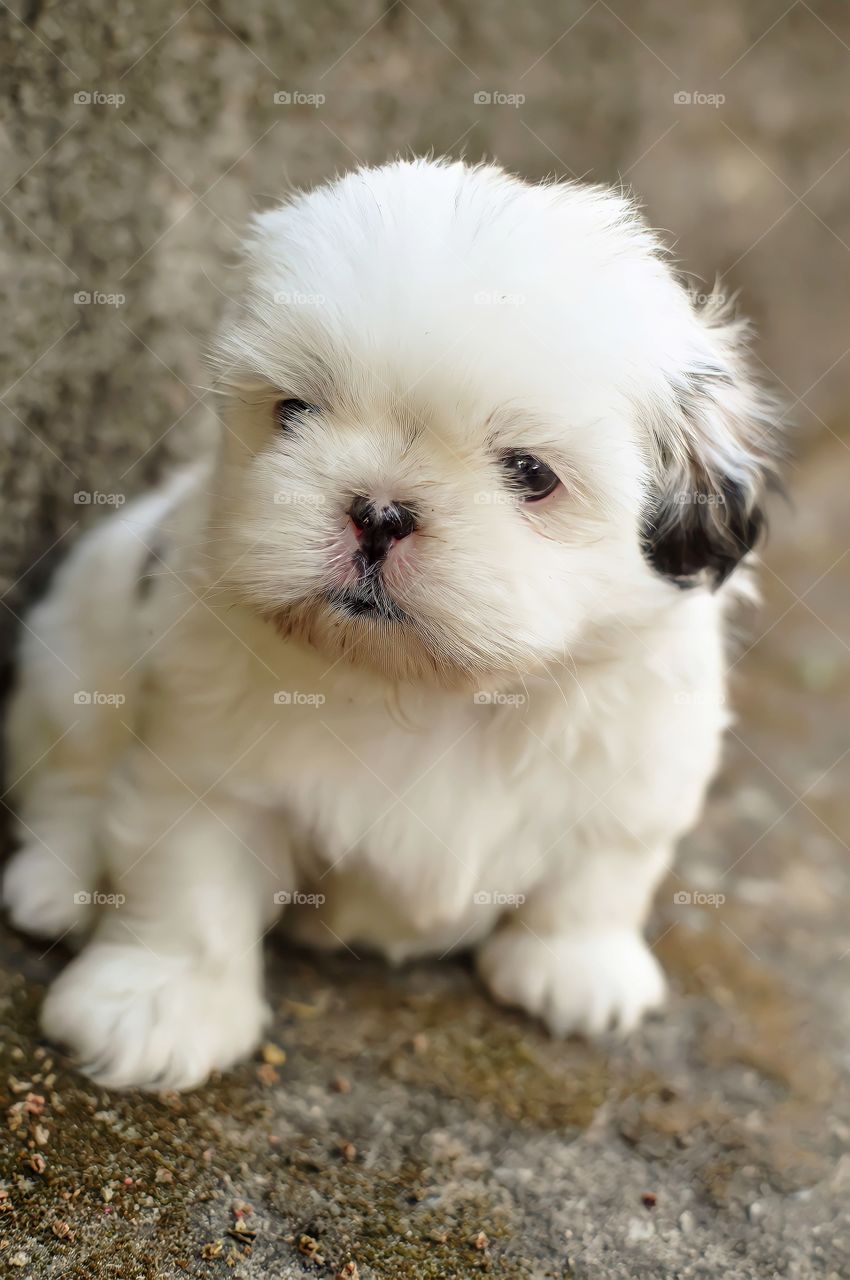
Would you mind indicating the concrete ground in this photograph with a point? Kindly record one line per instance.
(413, 1129)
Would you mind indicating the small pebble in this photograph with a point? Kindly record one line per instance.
(340, 1084)
(273, 1054)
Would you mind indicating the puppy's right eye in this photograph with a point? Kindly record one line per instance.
(286, 411)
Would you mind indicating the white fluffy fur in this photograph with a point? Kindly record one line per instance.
(436, 314)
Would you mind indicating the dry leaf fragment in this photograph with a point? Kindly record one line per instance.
(310, 1248)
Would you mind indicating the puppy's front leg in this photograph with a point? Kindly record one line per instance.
(170, 987)
(574, 954)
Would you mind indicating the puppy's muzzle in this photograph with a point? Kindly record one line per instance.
(378, 528)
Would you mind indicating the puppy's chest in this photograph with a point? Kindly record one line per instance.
(435, 809)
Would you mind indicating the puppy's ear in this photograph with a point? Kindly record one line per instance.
(715, 451)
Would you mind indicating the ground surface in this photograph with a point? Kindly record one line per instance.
(413, 1129)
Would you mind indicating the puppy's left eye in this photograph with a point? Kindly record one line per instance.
(531, 477)
(286, 411)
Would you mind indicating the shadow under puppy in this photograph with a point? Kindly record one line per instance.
(429, 656)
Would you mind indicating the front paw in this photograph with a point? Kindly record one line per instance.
(584, 982)
(133, 1018)
(42, 894)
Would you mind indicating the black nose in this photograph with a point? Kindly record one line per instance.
(379, 527)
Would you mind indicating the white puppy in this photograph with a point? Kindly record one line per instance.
(432, 652)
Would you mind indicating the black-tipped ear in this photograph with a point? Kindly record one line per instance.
(714, 440)
(700, 533)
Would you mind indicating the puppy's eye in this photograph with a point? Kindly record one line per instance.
(529, 476)
(286, 411)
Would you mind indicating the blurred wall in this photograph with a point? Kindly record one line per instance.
(138, 137)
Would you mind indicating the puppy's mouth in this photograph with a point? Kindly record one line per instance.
(367, 598)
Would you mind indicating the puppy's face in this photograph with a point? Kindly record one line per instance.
(473, 424)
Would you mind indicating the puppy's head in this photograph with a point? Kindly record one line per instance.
(472, 423)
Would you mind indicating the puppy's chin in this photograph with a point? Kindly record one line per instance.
(387, 641)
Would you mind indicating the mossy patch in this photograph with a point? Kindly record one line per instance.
(755, 1026)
